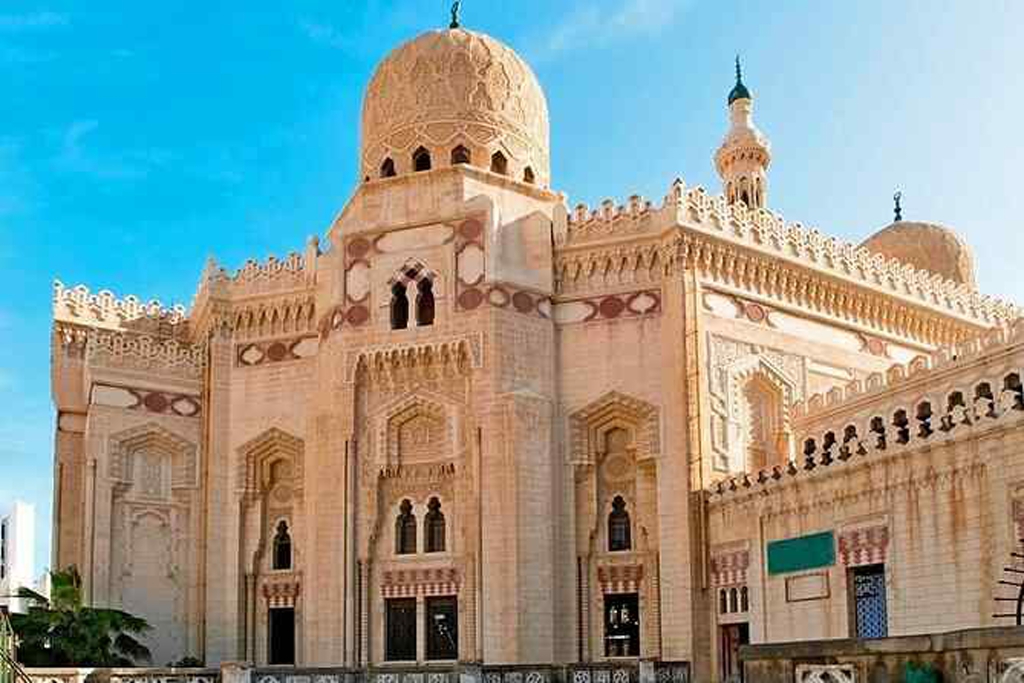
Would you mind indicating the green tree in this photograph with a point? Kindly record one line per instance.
(62, 631)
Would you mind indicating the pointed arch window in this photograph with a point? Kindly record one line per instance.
(619, 534)
(399, 307)
(433, 527)
(405, 529)
(387, 169)
(528, 176)
(499, 164)
(425, 302)
(282, 551)
(460, 155)
(421, 160)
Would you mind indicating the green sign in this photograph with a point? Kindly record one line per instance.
(798, 554)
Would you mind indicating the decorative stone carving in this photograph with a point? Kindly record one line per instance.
(449, 87)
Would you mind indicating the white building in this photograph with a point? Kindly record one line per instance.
(17, 554)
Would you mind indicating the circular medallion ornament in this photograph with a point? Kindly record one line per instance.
(755, 313)
(358, 248)
(470, 299)
(155, 402)
(277, 352)
(611, 307)
(470, 229)
(522, 302)
(357, 315)
(876, 347)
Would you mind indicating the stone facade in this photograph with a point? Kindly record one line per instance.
(474, 425)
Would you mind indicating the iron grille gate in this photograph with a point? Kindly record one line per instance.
(869, 600)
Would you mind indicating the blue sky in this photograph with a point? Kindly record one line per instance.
(136, 142)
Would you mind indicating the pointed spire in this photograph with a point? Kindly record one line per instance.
(739, 91)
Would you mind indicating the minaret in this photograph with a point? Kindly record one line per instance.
(743, 159)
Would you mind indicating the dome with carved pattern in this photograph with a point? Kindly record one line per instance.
(455, 96)
(926, 246)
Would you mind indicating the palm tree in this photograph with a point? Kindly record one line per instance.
(62, 631)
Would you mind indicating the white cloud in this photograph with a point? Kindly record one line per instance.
(37, 20)
(75, 158)
(588, 25)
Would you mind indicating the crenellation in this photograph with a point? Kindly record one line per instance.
(104, 309)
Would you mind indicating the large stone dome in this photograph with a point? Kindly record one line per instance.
(926, 246)
(452, 88)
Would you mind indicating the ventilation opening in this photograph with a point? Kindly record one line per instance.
(421, 160)
(528, 176)
(460, 155)
(499, 164)
(387, 169)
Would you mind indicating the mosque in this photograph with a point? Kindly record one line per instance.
(473, 426)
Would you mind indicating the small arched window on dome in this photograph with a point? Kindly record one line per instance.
(619, 536)
(387, 169)
(399, 307)
(460, 155)
(528, 176)
(425, 302)
(405, 530)
(421, 160)
(281, 557)
(433, 527)
(499, 164)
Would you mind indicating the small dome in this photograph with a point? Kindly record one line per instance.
(456, 89)
(739, 92)
(926, 246)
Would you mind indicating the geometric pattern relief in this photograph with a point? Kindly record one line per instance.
(404, 583)
(864, 546)
(620, 578)
(730, 568)
(826, 673)
(610, 307)
(146, 400)
(275, 351)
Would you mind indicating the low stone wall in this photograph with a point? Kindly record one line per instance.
(134, 675)
(993, 655)
(606, 672)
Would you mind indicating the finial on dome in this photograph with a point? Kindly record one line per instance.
(456, 6)
(898, 209)
(739, 91)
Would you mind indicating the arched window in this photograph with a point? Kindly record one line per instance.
(405, 530)
(387, 169)
(619, 536)
(282, 554)
(460, 155)
(528, 176)
(723, 601)
(421, 160)
(399, 307)
(433, 527)
(425, 302)
(733, 601)
(499, 164)
(1012, 384)
(744, 599)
